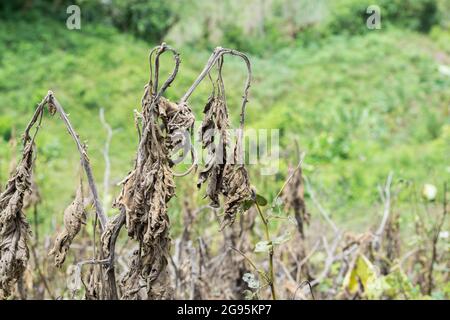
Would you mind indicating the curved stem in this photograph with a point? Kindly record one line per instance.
(176, 56)
(216, 55)
(152, 88)
(110, 272)
(84, 160)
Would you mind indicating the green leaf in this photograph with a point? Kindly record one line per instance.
(260, 200)
(247, 204)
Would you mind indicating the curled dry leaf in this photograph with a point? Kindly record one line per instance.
(215, 123)
(14, 229)
(74, 217)
(132, 282)
(236, 189)
(179, 119)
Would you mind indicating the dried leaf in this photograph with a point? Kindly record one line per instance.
(14, 229)
(74, 218)
(225, 176)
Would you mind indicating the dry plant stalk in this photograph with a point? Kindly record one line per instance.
(392, 243)
(14, 228)
(146, 190)
(294, 200)
(150, 186)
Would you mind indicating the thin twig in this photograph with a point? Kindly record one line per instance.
(322, 211)
(92, 261)
(300, 286)
(105, 152)
(386, 197)
(246, 258)
(329, 260)
(300, 162)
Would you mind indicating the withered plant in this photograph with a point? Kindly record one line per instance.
(201, 264)
(150, 185)
(15, 230)
(224, 170)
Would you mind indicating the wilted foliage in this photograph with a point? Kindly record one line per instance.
(297, 258)
(150, 186)
(216, 119)
(74, 218)
(14, 228)
(224, 170)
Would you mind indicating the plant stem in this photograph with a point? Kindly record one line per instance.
(271, 273)
(435, 240)
(84, 160)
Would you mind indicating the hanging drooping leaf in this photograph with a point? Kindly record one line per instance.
(260, 200)
(74, 218)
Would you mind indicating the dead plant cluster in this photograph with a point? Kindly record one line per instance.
(259, 253)
(143, 202)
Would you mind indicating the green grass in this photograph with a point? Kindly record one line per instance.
(360, 107)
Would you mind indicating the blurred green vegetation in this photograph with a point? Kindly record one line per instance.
(361, 102)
